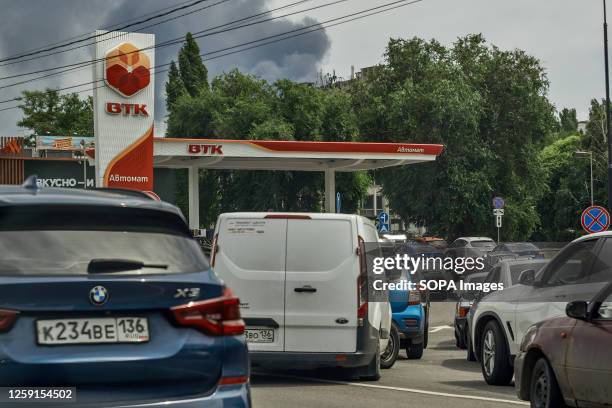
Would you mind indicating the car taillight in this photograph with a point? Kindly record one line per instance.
(234, 380)
(213, 250)
(7, 318)
(414, 297)
(463, 308)
(217, 317)
(362, 280)
(463, 311)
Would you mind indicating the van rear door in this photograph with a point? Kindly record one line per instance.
(321, 285)
(250, 258)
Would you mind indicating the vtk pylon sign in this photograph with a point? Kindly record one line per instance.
(123, 109)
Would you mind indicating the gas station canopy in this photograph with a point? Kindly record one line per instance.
(328, 157)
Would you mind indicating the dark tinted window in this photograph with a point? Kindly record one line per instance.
(62, 240)
(573, 265)
(521, 247)
(517, 269)
(602, 267)
(485, 244)
(458, 243)
(493, 276)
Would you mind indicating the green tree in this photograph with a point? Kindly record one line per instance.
(595, 141)
(175, 87)
(240, 106)
(487, 106)
(568, 120)
(48, 112)
(566, 190)
(192, 70)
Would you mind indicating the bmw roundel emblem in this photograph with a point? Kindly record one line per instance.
(98, 295)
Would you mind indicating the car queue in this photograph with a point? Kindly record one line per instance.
(85, 306)
(550, 328)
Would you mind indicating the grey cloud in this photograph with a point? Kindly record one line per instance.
(33, 23)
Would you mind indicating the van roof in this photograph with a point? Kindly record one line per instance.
(314, 216)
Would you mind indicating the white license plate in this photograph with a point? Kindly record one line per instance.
(92, 330)
(259, 335)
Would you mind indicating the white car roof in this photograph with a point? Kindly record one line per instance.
(592, 236)
(470, 239)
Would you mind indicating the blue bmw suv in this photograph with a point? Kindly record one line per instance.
(106, 292)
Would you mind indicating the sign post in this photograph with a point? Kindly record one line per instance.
(498, 212)
(124, 109)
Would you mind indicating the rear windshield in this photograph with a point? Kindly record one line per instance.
(521, 247)
(60, 240)
(485, 244)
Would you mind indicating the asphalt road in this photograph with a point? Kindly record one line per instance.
(442, 378)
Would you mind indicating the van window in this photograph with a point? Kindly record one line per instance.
(318, 245)
(371, 235)
(253, 244)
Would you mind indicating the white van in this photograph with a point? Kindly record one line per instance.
(301, 279)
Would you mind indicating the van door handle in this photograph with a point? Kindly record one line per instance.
(305, 289)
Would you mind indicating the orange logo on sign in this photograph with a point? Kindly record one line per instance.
(127, 69)
(12, 147)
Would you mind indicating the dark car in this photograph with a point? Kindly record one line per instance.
(470, 247)
(437, 242)
(462, 308)
(568, 360)
(523, 249)
(434, 257)
(108, 292)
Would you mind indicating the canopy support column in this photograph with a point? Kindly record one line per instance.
(330, 190)
(194, 197)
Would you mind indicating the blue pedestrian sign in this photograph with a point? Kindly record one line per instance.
(383, 222)
(338, 202)
(595, 219)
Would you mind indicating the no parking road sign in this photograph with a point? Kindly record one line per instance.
(595, 219)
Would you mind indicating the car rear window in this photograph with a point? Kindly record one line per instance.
(63, 240)
(522, 247)
(485, 244)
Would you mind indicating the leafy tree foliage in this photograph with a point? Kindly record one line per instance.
(194, 74)
(48, 112)
(568, 120)
(174, 87)
(487, 106)
(239, 106)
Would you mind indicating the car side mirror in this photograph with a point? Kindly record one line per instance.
(578, 309)
(527, 277)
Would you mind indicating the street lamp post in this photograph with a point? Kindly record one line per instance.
(84, 164)
(590, 155)
(605, 26)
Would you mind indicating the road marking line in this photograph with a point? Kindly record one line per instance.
(410, 390)
(436, 329)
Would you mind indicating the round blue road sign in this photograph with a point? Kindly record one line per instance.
(498, 202)
(595, 219)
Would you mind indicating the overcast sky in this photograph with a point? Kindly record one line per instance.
(566, 35)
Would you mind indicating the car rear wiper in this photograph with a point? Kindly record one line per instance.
(119, 265)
